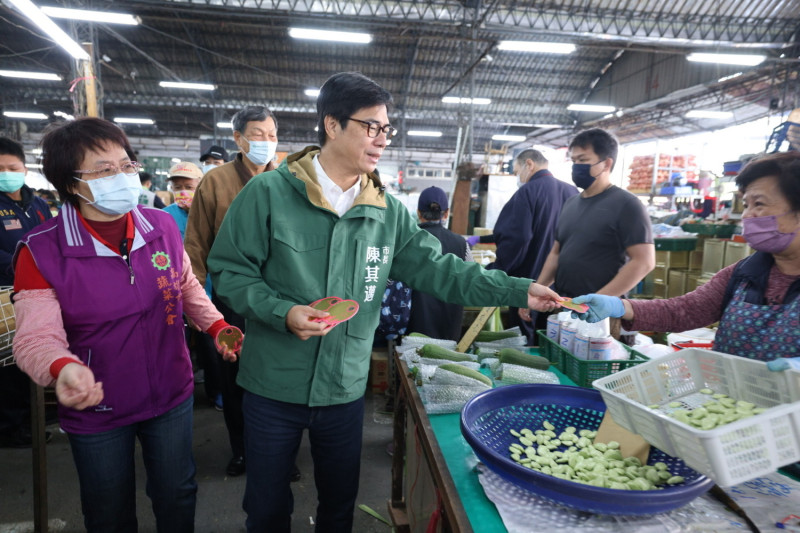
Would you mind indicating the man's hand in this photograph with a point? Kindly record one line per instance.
(472, 240)
(299, 320)
(76, 388)
(542, 299)
(524, 314)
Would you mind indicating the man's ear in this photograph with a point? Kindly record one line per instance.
(332, 126)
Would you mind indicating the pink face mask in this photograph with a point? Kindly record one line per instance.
(762, 234)
(184, 199)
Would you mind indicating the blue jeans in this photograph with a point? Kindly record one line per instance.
(272, 434)
(105, 463)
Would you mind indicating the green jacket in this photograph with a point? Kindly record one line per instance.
(282, 244)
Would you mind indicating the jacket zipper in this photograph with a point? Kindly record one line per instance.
(126, 256)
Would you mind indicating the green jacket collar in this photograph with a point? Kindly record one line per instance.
(301, 167)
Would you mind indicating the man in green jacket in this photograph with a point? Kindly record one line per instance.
(321, 225)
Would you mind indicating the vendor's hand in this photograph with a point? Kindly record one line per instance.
(600, 307)
(472, 240)
(542, 299)
(228, 353)
(784, 363)
(76, 388)
(524, 314)
(300, 321)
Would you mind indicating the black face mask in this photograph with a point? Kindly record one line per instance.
(582, 174)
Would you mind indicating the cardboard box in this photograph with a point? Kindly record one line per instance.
(379, 371)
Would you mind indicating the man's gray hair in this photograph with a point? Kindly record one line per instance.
(534, 155)
(251, 113)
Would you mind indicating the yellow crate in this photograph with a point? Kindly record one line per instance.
(660, 290)
(676, 285)
(696, 260)
(670, 259)
(734, 252)
(713, 256)
(659, 274)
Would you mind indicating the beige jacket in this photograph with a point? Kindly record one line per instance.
(211, 201)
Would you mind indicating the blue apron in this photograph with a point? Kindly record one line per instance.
(763, 332)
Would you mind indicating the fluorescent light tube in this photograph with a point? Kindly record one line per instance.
(547, 126)
(465, 100)
(726, 78)
(182, 85)
(30, 75)
(592, 108)
(536, 46)
(65, 116)
(25, 115)
(509, 138)
(727, 59)
(126, 120)
(423, 133)
(707, 113)
(225, 125)
(313, 93)
(86, 15)
(326, 35)
(49, 27)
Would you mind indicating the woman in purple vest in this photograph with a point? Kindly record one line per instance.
(100, 293)
(757, 300)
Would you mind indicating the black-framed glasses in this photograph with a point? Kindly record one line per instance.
(374, 128)
(131, 167)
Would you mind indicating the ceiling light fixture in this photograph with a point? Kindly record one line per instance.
(326, 35)
(509, 138)
(49, 27)
(707, 113)
(183, 85)
(313, 93)
(86, 15)
(727, 59)
(65, 116)
(548, 126)
(592, 108)
(225, 125)
(424, 133)
(25, 115)
(30, 75)
(465, 100)
(536, 46)
(726, 78)
(128, 120)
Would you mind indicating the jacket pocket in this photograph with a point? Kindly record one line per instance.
(303, 260)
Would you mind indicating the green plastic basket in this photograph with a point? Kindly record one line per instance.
(676, 245)
(721, 231)
(580, 371)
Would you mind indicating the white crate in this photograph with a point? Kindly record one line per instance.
(728, 454)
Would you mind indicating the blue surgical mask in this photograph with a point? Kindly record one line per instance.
(261, 152)
(114, 195)
(206, 168)
(11, 181)
(582, 174)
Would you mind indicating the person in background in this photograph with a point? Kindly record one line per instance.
(20, 211)
(604, 241)
(322, 225)
(429, 315)
(526, 227)
(100, 291)
(147, 197)
(214, 157)
(255, 132)
(183, 180)
(757, 300)
(51, 199)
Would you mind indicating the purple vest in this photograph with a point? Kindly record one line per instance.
(125, 322)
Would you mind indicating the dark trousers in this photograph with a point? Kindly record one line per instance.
(15, 401)
(273, 431)
(231, 392)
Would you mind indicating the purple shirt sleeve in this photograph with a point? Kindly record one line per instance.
(696, 309)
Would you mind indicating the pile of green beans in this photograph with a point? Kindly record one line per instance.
(718, 411)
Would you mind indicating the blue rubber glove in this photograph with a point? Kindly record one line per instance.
(472, 240)
(600, 307)
(784, 363)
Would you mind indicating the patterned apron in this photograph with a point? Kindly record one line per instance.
(763, 332)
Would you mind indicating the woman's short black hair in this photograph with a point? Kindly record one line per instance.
(65, 144)
(345, 93)
(785, 166)
(12, 147)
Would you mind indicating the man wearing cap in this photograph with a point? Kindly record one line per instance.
(255, 131)
(429, 315)
(183, 178)
(213, 157)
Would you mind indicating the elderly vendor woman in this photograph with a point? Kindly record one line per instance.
(755, 300)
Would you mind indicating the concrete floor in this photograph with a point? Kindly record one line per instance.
(219, 499)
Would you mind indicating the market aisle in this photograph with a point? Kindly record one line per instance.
(219, 502)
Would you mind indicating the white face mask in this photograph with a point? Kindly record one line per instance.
(261, 152)
(206, 168)
(114, 195)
